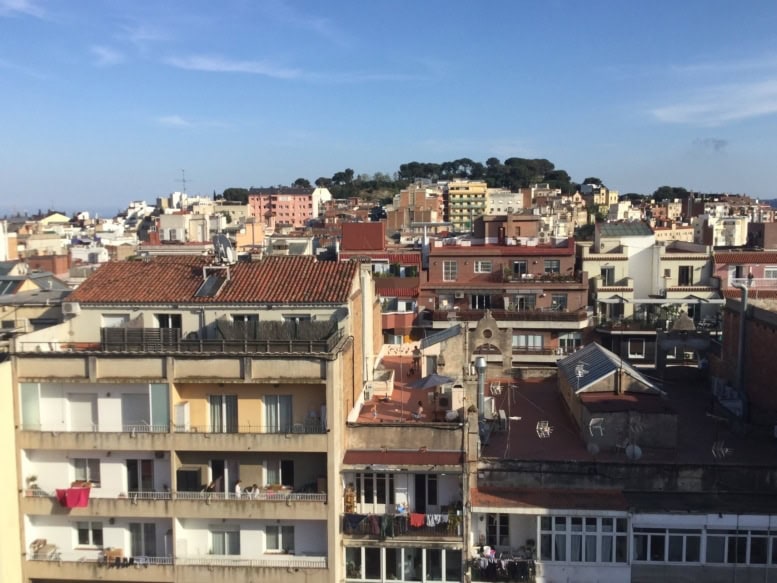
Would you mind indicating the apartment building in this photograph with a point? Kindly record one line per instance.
(533, 293)
(187, 418)
(284, 205)
(465, 201)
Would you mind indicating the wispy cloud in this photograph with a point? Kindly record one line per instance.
(221, 65)
(9, 66)
(21, 7)
(711, 144)
(143, 36)
(743, 65)
(174, 121)
(178, 121)
(714, 106)
(105, 56)
(283, 13)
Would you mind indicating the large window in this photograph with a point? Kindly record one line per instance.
(483, 267)
(498, 530)
(770, 272)
(525, 301)
(450, 270)
(558, 302)
(375, 488)
(552, 266)
(738, 547)
(279, 538)
(223, 413)
(584, 539)
(87, 470)
(277, 409)
(142, 539)
(570, 341)
(527, 341)
(608, 275)
(89, 534)
(685, 275)
(520, 267)
(168, 320)
(402, 564)
(140, 475)
(224, 541)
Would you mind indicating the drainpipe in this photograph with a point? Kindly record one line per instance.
(480, 367)
(741, 344)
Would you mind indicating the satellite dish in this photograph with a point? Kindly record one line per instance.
(223, 249)
(592, 448)
(633, 452)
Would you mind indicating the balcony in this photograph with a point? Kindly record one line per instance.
(536, 355)
(72, 566)
(150, 438)
(402, 526)
(754, 282)
(546, 319)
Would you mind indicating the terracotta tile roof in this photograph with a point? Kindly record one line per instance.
(745, 257)
(397, 292)
(364, 237)
(402, 457)
(274, 280)
(755, 293)
(542, 498)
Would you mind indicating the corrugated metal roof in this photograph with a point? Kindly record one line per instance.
(593, 363)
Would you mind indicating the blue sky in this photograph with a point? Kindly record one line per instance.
(105, 102)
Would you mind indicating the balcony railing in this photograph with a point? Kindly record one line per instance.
(263, 495)
(78, 557)
(169, 340)
(526, 315)
(281, 560)
(401, 525)
(754, 282)
(310, 426)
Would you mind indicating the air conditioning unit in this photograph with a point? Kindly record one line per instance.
(459, 295)
(71, 308)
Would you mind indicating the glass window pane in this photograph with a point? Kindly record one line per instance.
(716, 549)
(560, 547)
(372, 563)
(693, 549)
(353, 563)
(590, 549)
(576, 548)
(758, 550)
(97, 534)
(83, 533)
(606, 549)
(160, 406)
(545, 523)
(30, 406)
(640, 547)
(271, 533)
(621, 546)
(737, 549)
(413, 566)
(621, 524)
(393, 564)
(657, 542)
(453, 565)
(433, 564)
(546, 547)
(675, 549)
(287, 538)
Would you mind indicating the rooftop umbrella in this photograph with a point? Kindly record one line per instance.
(430, 382)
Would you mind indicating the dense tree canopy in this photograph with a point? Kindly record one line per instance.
(670, 193)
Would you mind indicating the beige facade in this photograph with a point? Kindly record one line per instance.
(466, 201)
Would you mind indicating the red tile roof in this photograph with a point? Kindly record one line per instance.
(745, 257)
(401, 258)
(541, 498)
(755, 293)
(364, 237)
(273, 280)
(403, 457)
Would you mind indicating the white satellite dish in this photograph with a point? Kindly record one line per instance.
(223, 249)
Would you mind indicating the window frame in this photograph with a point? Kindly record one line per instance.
(283, 532)
(483, 266)
(633, 353)
(94, 533)
(552, 266)
(90, 468)
(450, 270)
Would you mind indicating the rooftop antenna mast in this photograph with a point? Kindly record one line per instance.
(183, 180)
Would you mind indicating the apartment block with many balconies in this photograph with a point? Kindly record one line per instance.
(185, 418)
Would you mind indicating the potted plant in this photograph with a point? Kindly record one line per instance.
(32, 484)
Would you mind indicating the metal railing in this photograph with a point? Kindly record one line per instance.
(287, 560)
(754, 282)
(502, 314)
(308, 426)
(132, 430)
(401, 525)
(263, 495)
(56, 555)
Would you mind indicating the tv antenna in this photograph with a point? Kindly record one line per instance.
(183, 180)
(580, 372)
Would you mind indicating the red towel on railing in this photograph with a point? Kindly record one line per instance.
(417, 520)
(73, 497)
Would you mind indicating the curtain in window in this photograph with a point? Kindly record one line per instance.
(560, 547)
(218, 543)
(278, 413)
(230, 402)
(216, 423)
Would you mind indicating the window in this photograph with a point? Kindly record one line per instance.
(375, 488)
(277, 413)
(245, 318)
(608, 275)
(142, 539)
(685, 275)
(280, 472)
(279, 538)
(450, 270)
(738, 546)
(770, 272)
(479, 302)
(296, 318)
(87, 470)
(114, 320)
(552, 266)
(482, 267)
(570, 341)
(224, 541)
(140, 475)
(168, 320)
(527, 341)
(558, 302)
(90, 533)
(223, 413)
(636, 348)
(525, 301)
(498, 530)
(583, 539)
